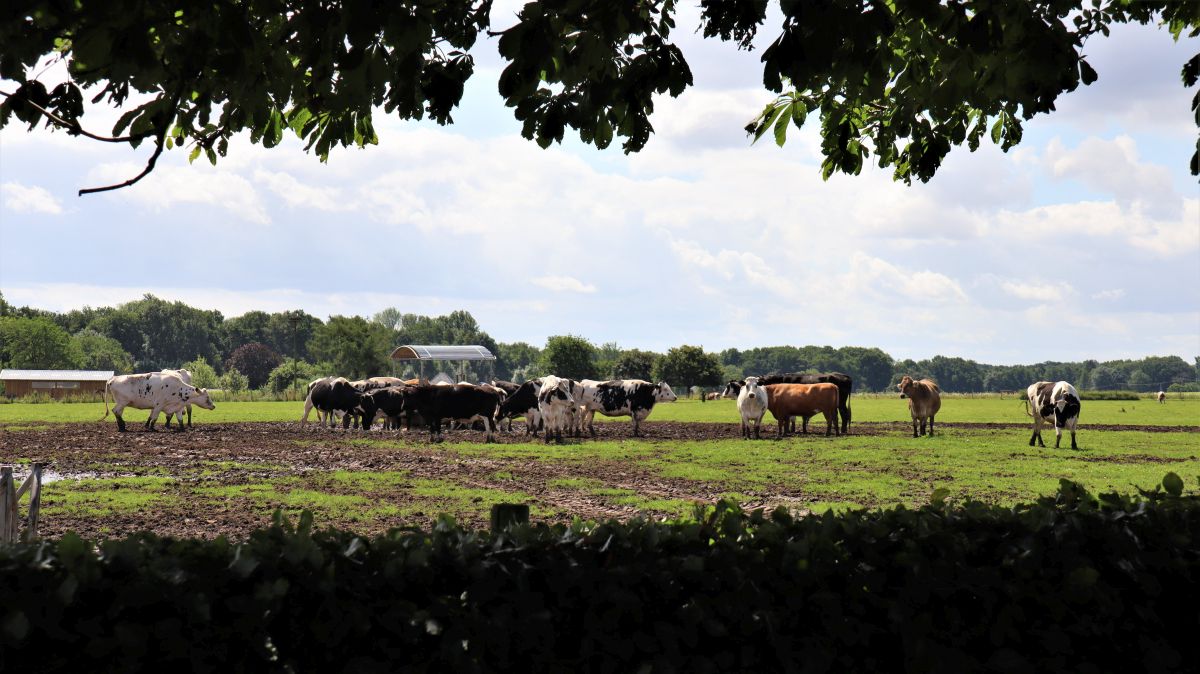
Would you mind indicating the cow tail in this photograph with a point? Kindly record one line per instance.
(106, 385)
(1027, 412)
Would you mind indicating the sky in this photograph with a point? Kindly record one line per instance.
(1082, 242)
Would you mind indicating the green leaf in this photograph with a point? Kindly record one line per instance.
(194, 153)
(1086, 73)
(1173, 484)
(998, 129)
(781, 123)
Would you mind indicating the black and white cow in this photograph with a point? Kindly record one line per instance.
(436, 403)
(308, 401)
(339, 395)
(1057, 403)
(557, 405)
(623, 398)
(843, 381)
(523, 402)
(152, 391)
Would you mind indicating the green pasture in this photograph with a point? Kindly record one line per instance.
(869, 408)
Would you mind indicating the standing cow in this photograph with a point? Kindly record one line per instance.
(1057, 403)
(786, 401)
(1162, 397)
(633, 398)
(186, 376)
(435, 403)
(523, 402)
(924, 401)
(843, 382)
(152, 391)
(752, 405)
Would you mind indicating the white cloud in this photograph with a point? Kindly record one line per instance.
(1109, 295)
(28, 199)
(886, 280)
(170, 187)
(1042, 292)
(300, 195)
(567, 284)
(1112, 167)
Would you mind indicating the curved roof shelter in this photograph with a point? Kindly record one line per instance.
(427, 352)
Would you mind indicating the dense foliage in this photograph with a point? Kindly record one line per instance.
(353, 346)
(903, 80)
(1070, 583)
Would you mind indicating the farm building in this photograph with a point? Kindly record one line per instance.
(423, 353)
(54, 383)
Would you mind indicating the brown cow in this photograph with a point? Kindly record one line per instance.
(805, 401)
(924, 401)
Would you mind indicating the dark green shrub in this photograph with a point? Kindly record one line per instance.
(1070, 583)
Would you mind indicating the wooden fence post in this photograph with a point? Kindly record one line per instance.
(505, 515)
(10, 519)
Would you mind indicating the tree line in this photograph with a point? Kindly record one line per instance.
(283, 350)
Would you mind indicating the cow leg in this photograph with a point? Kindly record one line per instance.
(931, 426)
(120, 423)
(189, 413)
(167, 424)
(844, 411)
(1057, 436)
(1073, 445)
(487, 423)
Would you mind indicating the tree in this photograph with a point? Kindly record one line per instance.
(568, 356)
(233, 381)
(605, 357)
(689, 366)
(250, 327)
(94, 351)
(35, 344)
(905, 80)
(203, 375)
(511, 358)
(634, 364)
(954, 375)
(293, 373)
(1105, 378)
(355, 347)
(254, 360)
(161, 334)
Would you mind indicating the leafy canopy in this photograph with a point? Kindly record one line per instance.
(904, 80)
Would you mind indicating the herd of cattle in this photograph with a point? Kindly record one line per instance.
(558, 405)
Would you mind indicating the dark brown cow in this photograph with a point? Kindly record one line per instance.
(805, 401)
(924, 401)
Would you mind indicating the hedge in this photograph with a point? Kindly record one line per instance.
(1072, 582)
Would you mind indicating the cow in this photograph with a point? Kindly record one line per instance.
(186, 376)
(786, 401)
(339, 395)
(1056, 402)
(557, 405)
(1162, 397)
(623, 398)
(308, 402)
(152, 391)
(435, 403)
(752, 405)
(844, 383)
(924, 401)
(523, 403)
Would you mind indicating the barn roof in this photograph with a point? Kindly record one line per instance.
(427, 352)
(56, 375)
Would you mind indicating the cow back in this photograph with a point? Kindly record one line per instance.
(801, 399)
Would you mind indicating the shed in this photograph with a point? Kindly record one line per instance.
(54, 383)
(453, 353)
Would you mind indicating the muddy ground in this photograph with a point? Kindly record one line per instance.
(257, 452)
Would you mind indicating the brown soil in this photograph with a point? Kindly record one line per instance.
(309, 454)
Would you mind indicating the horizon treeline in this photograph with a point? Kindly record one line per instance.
(281, 350)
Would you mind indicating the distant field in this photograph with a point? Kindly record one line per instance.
(871, 409)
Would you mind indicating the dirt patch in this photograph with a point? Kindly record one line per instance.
(283, 459)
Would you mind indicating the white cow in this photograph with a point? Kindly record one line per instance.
(1056, 403)
(186, 376)
(752, 405)
(152, 391)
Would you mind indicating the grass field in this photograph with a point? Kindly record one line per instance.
(871, 409)
(238, 476)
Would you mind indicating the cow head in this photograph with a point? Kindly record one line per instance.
(905, 386)
(663, 393)
(751, 385)
(734, 387)
(199, 398)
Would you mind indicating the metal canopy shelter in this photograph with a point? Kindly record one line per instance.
(458, 354)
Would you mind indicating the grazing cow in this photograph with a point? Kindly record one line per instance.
(924, 401)
(557, 405)
(623, 398)
(308, 402)
(1056, 402)
(152, 391)
(1162, 397)
(435, 403)
(786, 401)
(752, 405)
(339, 395)
(186, 376)
(844, 383)
(524, 403)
